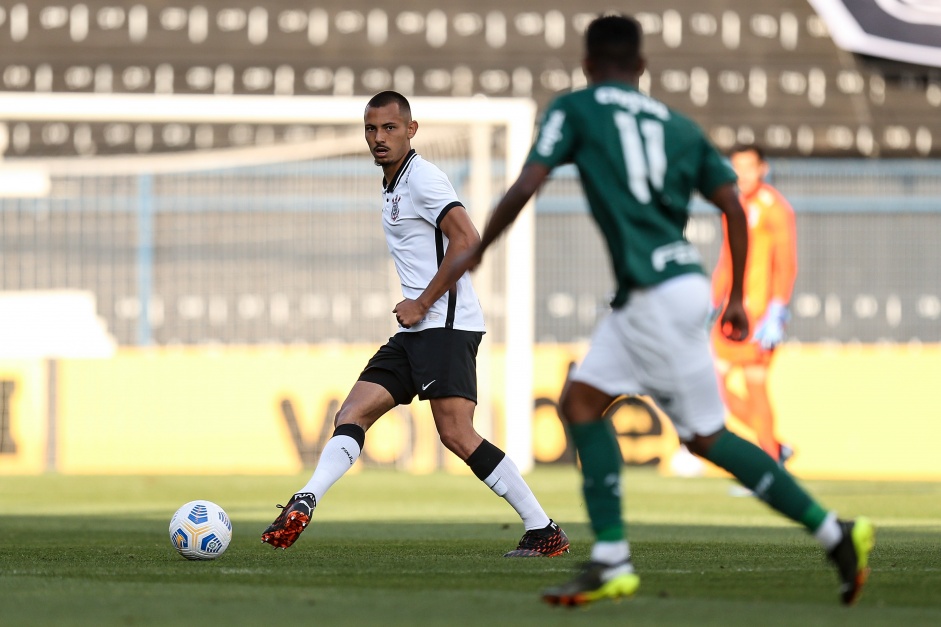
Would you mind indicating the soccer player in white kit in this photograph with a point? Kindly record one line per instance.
(433, 353)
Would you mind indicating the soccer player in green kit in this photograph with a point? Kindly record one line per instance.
(639, 161)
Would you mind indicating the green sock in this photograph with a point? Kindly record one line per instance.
(758, 472)
(601, 460)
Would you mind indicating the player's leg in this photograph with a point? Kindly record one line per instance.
(847, 543)
(695, 406)
(382, 385)
(605, 373)
(364, 405)
(454, 420)
(444, 369)
(734, 402)
(582, 407)
(759, 408)
(753, 408)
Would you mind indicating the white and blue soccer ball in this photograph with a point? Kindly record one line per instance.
(200, 530)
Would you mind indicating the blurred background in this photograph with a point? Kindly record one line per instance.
(192, 272)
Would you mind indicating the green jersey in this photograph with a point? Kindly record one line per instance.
(639, 162)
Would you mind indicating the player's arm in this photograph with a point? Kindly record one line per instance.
(734, 320)
(504, 214)
(769, 331)
(554, 146)
(462, 237)
(722, 274)
(784, 253)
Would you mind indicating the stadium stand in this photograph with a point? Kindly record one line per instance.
(766, 71)
(263, 255)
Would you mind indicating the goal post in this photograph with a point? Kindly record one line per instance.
(499, 133)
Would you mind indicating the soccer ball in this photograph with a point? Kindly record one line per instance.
(200, 530)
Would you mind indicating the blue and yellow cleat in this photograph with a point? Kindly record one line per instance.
(597, 581)
(851, 557)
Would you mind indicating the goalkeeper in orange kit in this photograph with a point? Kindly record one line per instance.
(769, 280)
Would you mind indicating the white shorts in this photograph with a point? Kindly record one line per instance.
(657, 344)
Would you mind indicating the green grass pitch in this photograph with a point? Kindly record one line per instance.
(388, 548)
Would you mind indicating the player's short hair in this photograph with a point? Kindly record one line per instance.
(614, 40)
(755, 148)
(385, 98)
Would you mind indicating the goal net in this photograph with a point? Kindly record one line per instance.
(275, 243)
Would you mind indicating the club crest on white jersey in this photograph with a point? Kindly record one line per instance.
(415, 202)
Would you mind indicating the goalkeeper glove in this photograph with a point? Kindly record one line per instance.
(770, 331)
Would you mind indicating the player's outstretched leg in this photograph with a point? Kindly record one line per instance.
(596, 581)
(610, 573)
(847, 543)
(851, 557)
(549, 541)
(543, 537)
(339, 454)
(287, 527)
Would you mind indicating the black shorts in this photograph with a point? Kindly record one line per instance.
(434, 363)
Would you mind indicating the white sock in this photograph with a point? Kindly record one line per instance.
(339, 454)
(829, 533)
(506, 481)
(611, 552)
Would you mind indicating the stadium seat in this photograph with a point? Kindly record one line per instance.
(742, 69)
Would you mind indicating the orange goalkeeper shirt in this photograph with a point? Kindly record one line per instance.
(770, 269)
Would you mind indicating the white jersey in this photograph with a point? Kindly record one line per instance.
(415, 202)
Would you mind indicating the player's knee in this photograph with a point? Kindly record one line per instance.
(576, 407)
(697, 446)
(456, 442)
(569, 403)
(341, 417)
(567, 406)
(348, 415)
(449, 440)
(701, 444)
